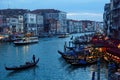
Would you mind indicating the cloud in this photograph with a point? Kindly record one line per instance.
(73, 7)
(86, 16)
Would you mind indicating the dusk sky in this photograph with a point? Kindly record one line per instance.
(75, 9)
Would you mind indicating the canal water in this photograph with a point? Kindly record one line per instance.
(50, 67)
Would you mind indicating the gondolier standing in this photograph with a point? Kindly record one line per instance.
(33, 58)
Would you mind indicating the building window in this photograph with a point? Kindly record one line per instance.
(13, 21)
(31, 19)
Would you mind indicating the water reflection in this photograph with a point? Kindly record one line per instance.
(52, 65)
(68, 67)
(31, 70)
(72, 68)
(62, 62)
(24, 48)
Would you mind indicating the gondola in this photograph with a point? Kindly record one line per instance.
(25, 66)
(61, 53)
(82, 43)
(66, 56)
(71, 48)
(64, 35)
(73, 60)
(83, 63)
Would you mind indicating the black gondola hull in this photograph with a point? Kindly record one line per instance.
(26, 66)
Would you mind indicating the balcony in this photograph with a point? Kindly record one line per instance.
(115, 15)
(116, 6)
(116, 1)
(114, 27)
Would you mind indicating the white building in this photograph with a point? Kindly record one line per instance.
(74, 26)
(99, 27)
(54, 20)
(20, 24)
(70, 26)
(12, 24)
(39, 22)
(30, 22)
(62, 22)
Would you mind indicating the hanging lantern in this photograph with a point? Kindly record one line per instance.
(100, 49)
(106, 38)
(119, 46)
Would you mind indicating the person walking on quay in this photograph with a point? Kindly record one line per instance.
(33, 58)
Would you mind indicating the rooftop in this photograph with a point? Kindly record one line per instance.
(38, 11)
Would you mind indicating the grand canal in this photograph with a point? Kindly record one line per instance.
(50, 67)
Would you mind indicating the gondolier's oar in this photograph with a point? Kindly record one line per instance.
(93, 76)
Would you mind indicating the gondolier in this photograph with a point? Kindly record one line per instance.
(33, 58)
(24, 66)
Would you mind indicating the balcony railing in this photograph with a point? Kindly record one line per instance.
(116, 15)
(116, 1)
(117, 6)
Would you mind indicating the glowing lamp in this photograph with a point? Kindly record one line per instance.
(119, 46)
(106, 38)
(100, 49)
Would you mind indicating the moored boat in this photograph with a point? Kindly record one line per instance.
(78, 59)
(26, 40)
(25, 66)
(63, 35)
(83, 62)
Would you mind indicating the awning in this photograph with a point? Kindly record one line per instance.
(114, 51)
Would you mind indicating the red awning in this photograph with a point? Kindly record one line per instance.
(114, 51)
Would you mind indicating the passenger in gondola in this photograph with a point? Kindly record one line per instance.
(65, 45)
(33, 58)
(71, 38)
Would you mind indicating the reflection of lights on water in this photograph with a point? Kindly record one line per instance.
(1, 37)
(93, 67)
(119, 46)
(16, 50)
(106, 38)
(100, 49)
(25, 49)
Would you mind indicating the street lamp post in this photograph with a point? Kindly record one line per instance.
(98, 69)
(109, 72)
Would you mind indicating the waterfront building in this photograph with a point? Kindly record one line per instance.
(12, 24)
(12, 20)
(4, 27)
(70, 26)
(88, 25)
(1, 22)
(20, 24)
(30, 23)
(115, 8)
(106, 17)
(112, 18)
(39, 24)
(99, 27)
(74, 26)
(54, 20)
(77, 26)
